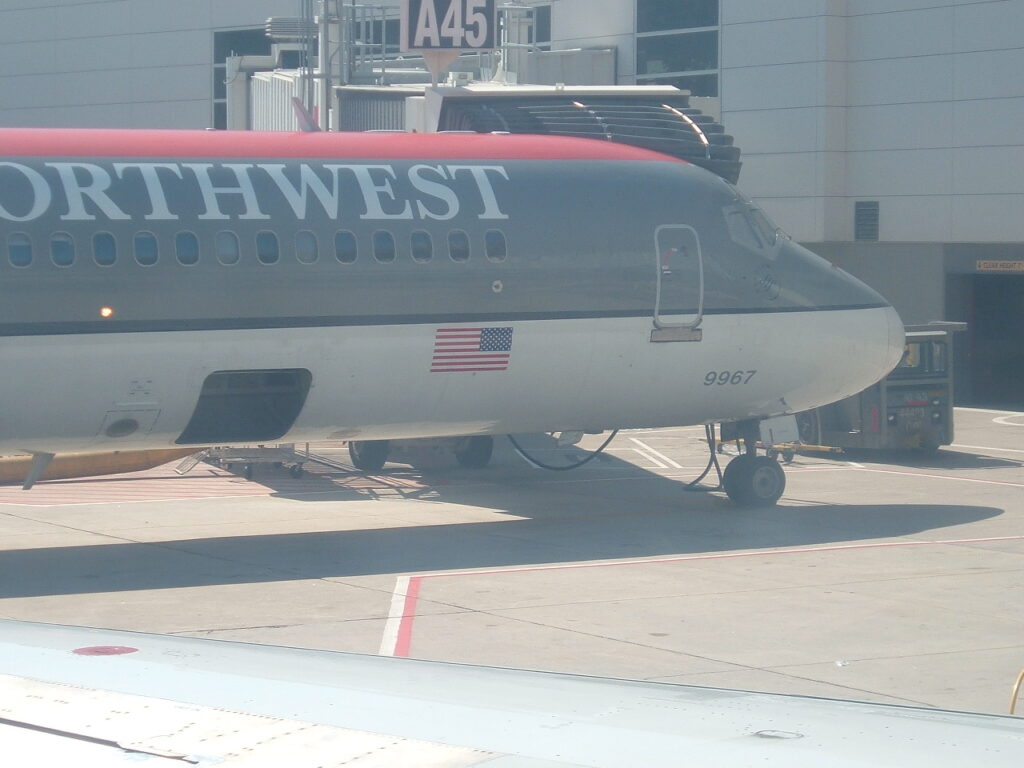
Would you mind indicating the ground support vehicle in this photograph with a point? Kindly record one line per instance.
(909, 410)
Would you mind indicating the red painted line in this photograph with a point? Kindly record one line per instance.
(412, 591)
(408, 614)
(105, 650)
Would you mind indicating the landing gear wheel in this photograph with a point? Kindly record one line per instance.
(733, 476)
(368, 455)
(475, 452)
(754, 481)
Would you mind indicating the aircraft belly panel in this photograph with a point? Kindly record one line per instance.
(386, 382)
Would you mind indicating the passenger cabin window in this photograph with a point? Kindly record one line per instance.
(346, 248)
(186, 247)
(228, 252)
(306, 249)
(146, 250)
(62, 249)
(383, 246)
(458, 245)
(495, 246)
(267, 249)
(104, 249)
(19, 249)
(422, 246)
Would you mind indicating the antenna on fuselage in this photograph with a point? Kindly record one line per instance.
(307, 120)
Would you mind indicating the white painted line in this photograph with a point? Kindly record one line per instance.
(943, 477)
(719, 556)
(660, 456)
(984, 410)
(389, 641)
(409, 590)
(657, 464)
(1005, 420)
(986, 448)
(652, 430)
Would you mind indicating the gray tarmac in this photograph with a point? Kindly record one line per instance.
(877, 577)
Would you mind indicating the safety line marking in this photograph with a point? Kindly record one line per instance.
(660, 456)
(944, 477)
(393, 626)
(398, 641)
(987, 410)
(986, 448)
(657, 464)
(1005, 420)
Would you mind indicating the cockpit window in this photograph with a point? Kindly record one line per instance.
(766, 228)
(750, 227)
(742, 229)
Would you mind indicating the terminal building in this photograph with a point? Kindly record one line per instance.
(883, 134)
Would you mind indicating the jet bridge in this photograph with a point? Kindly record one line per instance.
(656, 117)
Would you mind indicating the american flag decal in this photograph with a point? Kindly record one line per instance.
(471, 349)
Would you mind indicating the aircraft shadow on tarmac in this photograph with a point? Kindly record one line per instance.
(591, 515)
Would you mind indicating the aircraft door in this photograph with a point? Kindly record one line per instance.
(679, 295)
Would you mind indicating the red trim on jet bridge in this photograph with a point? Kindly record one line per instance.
(135, 143)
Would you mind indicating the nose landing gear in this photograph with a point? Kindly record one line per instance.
(751, 480)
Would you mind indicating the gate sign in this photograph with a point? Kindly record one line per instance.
(449, 25)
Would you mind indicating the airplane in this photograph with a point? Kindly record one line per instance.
(73, 695)
(182, 289)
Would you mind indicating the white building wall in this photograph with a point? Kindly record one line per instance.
(916, 104)
(122, 63)
(597, 23)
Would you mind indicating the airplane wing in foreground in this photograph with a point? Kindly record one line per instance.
(87, 697)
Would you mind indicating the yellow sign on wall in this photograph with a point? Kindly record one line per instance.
(990, 265)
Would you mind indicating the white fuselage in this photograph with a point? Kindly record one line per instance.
(170, 289)
(375, 382)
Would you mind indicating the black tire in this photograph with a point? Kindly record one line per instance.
(368, 455)
(754, 481)
(296, 471)
(733, 477)
(475, 452)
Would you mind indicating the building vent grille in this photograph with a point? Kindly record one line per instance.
(289, 28)
(865, 220)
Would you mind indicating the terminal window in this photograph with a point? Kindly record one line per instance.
(677, 44)
(540, 32)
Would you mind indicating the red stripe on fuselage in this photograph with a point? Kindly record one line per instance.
(95, 142)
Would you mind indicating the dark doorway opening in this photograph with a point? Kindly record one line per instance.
(247, 406)
(990, 364)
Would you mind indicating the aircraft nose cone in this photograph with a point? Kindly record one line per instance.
(897, 339)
